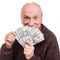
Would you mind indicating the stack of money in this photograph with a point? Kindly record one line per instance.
(32, 34)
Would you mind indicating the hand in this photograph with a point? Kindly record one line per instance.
(9, 39)
(28, 50)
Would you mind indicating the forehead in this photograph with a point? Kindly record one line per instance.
(31, 9)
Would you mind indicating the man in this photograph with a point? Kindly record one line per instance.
(31, 14)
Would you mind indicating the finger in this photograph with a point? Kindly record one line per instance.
(8, 43)
(28, 43)
(26, 49)
(13, 33)
(9, 36)
(27, 53)
(27, 46)
(9, 40)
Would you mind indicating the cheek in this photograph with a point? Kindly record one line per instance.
(25, 22)
(38, 22)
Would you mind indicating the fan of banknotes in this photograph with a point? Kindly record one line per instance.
(29, 33)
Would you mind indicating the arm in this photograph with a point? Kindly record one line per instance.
(51, 49)
(7, 48)
(29, 51)
(6, 53)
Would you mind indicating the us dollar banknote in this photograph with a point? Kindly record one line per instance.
(32, 34)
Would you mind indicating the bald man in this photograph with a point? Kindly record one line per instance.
(31, 14)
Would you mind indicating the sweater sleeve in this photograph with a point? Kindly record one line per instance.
(52, 52)
(6, 53)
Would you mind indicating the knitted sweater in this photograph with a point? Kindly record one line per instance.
(45, 50)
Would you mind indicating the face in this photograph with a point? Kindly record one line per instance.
(31, 15)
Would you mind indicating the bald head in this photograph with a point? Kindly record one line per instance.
(32, 5)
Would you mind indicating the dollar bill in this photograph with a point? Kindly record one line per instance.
(32, 34)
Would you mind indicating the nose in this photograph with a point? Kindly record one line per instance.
(31, 23)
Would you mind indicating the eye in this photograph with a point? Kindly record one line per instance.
(26, 17)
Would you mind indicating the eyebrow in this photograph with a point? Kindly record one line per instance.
(34, 15)
(26, 16)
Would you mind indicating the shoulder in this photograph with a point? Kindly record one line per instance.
(48, 34)
(50, 38)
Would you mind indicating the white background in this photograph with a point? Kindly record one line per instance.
(10, 16)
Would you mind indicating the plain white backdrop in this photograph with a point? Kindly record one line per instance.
(10, 18)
